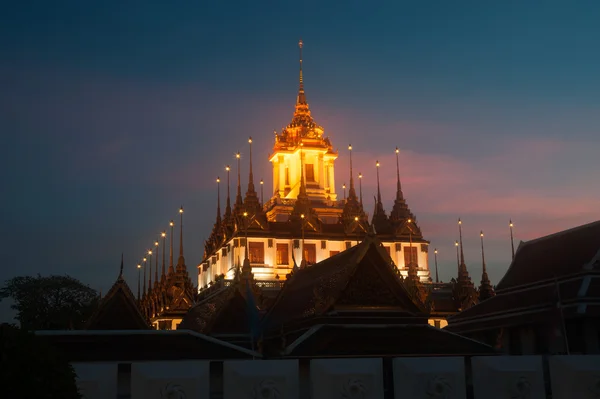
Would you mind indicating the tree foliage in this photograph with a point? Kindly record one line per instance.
(50, 303)
(30, 368)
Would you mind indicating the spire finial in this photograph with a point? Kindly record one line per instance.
(360, 187)
(164, 249)
(171, 270)
(250, 174)
(462, 255)
(437, 279)
(150, 269)
(156, 263)
(302, 184)
(398, 185)
(512, 242)
(144, 279)
(457, 257)
(482, 253)
(228, 203)
(238, 199)
(181, 259)
(378, 189)
(218, 201)
(485, 289)
(301, 95)
(121, 271)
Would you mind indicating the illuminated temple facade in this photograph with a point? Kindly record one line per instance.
(305, 221)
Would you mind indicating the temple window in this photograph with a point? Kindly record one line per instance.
(331, 253)
(323, 244)
(256, 250)
(283, 257)
(410, 256)
(310, 253)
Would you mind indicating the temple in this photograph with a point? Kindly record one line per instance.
(305, 221)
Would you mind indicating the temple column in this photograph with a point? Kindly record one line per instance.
(331, 178)
(281, 175)
(276, 173)
(321, 168)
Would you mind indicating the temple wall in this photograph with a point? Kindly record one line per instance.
(270, 270)
(484, 377)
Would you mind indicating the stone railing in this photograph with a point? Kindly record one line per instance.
(489, 377)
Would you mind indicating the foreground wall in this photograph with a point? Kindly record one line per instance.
(517, 377)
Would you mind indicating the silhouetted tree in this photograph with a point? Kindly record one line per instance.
(50, 303)
(31, 368)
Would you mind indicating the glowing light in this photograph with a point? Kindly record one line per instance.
(139, 266)
(156, 243)
(171, 223)
(397, 150)
(377, 164)
(356, 218)
(218, 180)
(409, 220)
(181, 210)
(245, 214)
(150, 252)
(227, 168)
(344, 186)
(456, 243)
(360, 175)
(238, 155)
(302, 216)
(459, 221)
(510, 224)
(350, 147)
(435, 251)
(261, 181)
(481, 234)
(163, 234)
(250, 140)
(144, 259)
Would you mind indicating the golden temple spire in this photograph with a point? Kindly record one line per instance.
(228, 202)
(301, 96)
(250, 174)
(398, 185)
(485, 289)
(352, 192)
(171, 269)
(181, 260)
(462, 256)
(164, 248)
(238, 199)
(512, 242)
(218, 222)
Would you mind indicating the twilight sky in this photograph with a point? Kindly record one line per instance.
(113, 115)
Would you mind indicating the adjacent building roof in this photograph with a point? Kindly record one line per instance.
(559, 269)
(118, 310)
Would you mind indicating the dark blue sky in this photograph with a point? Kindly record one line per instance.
(113, 115)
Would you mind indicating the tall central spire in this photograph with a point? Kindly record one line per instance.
(398, 185)
(301, 96)
(181, 260)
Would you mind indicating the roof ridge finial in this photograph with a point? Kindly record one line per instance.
(121, 270)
